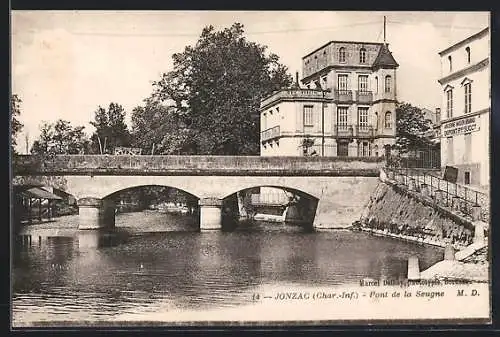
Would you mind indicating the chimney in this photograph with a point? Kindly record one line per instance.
(297, 78)
(438, 115)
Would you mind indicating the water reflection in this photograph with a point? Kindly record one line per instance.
(99, 274)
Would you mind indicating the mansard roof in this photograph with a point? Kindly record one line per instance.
(384, 59)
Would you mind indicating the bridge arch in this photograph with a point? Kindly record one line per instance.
(273, 202)
(294, 189)
(131, 188)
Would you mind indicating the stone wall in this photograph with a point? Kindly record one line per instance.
(395, 210)
(195, 165)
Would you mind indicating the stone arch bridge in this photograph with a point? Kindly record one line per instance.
(337, 188)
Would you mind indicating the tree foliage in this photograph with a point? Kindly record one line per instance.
(111, 130)
(411, 125)
(60, 138)
(216, 87)
(156, 126)
(15, 125)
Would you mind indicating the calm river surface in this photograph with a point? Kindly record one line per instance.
(153, 261)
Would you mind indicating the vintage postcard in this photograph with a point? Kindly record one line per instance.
(252, 168)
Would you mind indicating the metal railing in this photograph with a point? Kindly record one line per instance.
(422, 158)
(466, 197)
(364, 96)
(293, 94)
(270, 133)
(343, 95)
(344, 130)
(364, 130)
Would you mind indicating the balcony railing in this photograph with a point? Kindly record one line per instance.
(364, 96)
(343, 130)
(343, 95)
(365, 131)
(270, 133)
(295, 94)
(349, 130)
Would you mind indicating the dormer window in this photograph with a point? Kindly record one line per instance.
(467, 51)
(450, 63)
(342, 55)
(362, 55)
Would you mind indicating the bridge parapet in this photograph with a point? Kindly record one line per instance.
(195, 165)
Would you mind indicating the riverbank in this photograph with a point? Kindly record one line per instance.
(394, 212)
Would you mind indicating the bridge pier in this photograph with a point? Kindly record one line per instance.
(94, 213)
(210, 213)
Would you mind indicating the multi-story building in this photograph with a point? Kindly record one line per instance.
(465, 117)
(345, 106)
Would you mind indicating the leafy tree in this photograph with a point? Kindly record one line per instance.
(411, 126)
(60, 138)
(15, 125)
(111, 130)
(216, 87)
(157, 126)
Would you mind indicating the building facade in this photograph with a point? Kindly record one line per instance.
(345, 105)
(466, 102)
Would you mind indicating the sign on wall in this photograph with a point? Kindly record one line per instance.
(461, 126)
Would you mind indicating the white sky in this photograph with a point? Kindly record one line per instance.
(66, 63)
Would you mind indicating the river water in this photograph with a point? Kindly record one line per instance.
(155, 262)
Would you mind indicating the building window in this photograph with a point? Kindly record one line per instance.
(376, 84)
(363, 83)
(363, 117)
(468, 148)
(449, 103)
(468, 98)
(342, 82)
(342, 115)
(449, 150)
(362, 55)
(467, 51)
(388, 83)
(388, 120)
(308, 115)
(467, 178)
(264, 121)
(342, 55)
(450, 63)
(364, 149)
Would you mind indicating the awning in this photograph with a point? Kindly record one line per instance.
(39, 193)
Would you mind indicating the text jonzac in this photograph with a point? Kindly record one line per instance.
(461, 126)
